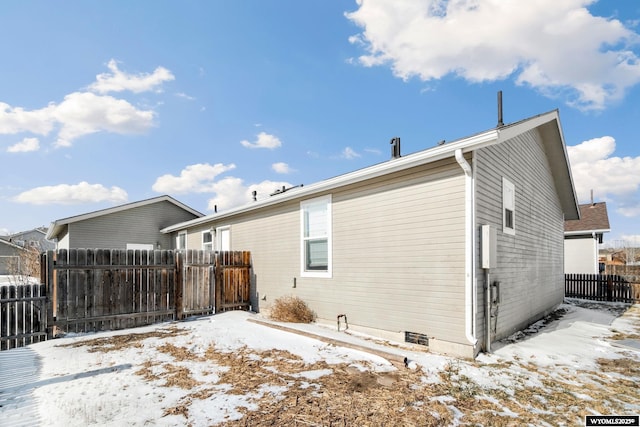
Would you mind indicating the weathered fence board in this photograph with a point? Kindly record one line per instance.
(599, 287)
(103, 289)
(23, 315)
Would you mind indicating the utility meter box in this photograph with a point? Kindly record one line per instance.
(489, 250)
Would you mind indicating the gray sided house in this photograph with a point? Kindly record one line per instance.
(396, 247)
(35, 238)
(10, 255)
(130, 226)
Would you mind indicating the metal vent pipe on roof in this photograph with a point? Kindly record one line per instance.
(395, 147)
(500, 121)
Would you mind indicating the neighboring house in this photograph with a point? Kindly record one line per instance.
(10, 256)
(130, 226)
(581, 239)
(35, 238)
(396, 246)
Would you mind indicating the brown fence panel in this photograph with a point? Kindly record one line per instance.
(108, 289)
(599, 287)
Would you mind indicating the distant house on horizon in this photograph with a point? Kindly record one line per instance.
(133, 225)
(582, 237)
(34, 238)
(10, 254)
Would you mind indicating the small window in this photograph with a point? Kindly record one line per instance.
(181, 241)
(207, 240)
(315, 219)
(508, 207)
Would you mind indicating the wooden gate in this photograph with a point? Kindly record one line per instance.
(213, 282)
(233, 281)
(197, 282)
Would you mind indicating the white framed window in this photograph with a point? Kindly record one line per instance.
(508, 207)
(181, 241)
(207, 240)
(315, 224)
(223, 238)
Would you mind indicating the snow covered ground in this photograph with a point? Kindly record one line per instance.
(225, 369)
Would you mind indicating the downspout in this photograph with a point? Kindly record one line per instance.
(468, 248)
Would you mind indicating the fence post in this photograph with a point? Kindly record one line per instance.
(179, 262)
(217, 282)
(50, 281)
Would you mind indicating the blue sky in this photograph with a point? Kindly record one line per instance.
(103, 103)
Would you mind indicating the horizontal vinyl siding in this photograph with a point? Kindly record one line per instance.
(136, 225)
(398, 252)
(530, 263)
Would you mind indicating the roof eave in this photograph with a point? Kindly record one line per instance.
(557, 156)
(578, 232)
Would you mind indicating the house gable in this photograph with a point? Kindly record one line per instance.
(134, 223)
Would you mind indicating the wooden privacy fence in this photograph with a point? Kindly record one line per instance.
(23, 315)
(600, 287)
(103, 289)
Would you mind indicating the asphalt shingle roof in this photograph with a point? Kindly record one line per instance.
(593, 216)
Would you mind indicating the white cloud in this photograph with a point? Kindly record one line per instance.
(488, 40)
(629, 208)
(264, 140)
(24, 146)
(83, 113)
(618, 178)
(66, 194)
(185, 96)
(232, 192)
(198, 178)
(16, 119)
(282, 168)
(349, 153)
(118, 81)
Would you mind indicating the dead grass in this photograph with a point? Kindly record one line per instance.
(119, 342)
(345, 395)
(291, 309)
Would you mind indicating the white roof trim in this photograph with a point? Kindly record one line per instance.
(430, 155)
(578, 232)
(13, 245)
(390, 166)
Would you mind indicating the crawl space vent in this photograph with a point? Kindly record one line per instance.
(416, 338)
